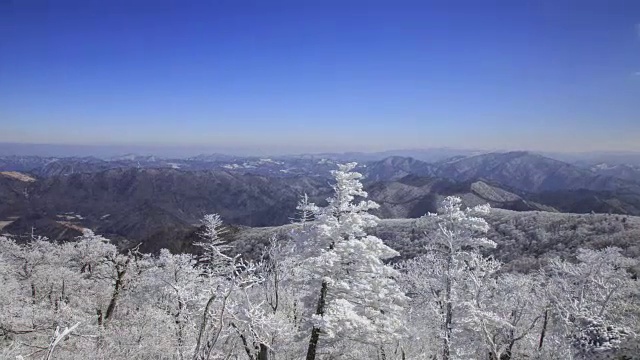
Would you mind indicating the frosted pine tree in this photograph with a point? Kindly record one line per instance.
(358, 299)
(213, 247)
(438, 274)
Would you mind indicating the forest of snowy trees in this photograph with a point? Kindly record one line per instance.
(330, 290)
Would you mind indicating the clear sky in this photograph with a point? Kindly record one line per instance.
(306, 75)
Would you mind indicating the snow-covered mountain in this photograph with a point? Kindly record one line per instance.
(622, 171)
(150, 197)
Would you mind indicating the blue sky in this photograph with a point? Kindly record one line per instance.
(556, 75)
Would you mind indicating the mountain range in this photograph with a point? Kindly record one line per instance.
(159, 201)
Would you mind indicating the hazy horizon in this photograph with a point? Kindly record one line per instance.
(309, 77)
(107, 151)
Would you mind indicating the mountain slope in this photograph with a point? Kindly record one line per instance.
(395, 168)
(186, 195)
(153, 204)
(14, 193)
(414, 196)
(530, 172)
(622, 171)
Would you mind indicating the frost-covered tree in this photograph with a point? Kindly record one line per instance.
(457, 231)
(215, 250)
(501, 311)
(463, 299)
(421, 279)
(232, 317)
(357, 298)
(83, 282)
(595, 300)
(324, 292)
(37, 298)
(221, 273)
(281, 298)
(174, 287)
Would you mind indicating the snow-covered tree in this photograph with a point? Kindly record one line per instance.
(281, 297)
(458, 230)
(229, 308)
(215, 250)
(174, 287)
(501, 311)
(436, 277)
(357, 298)
(324, 292)
(595, 300)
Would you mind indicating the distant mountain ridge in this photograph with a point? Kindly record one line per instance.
(622, 171)
(154, 199)
(526, 170)
(520, 170)
(530, 172)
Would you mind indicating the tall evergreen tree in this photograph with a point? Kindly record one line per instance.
(358, 298)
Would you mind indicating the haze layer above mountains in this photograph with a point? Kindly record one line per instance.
(159, 202)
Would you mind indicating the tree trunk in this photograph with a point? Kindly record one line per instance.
(203, 326)
(33, 293)
(446, 346)
(315, 333)
(383, 355)
(264, 352)
(508, 351)
(512, 340)
(99, 314)
(180, 331)
(447, 332)
(116, 292)
(544, 329)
